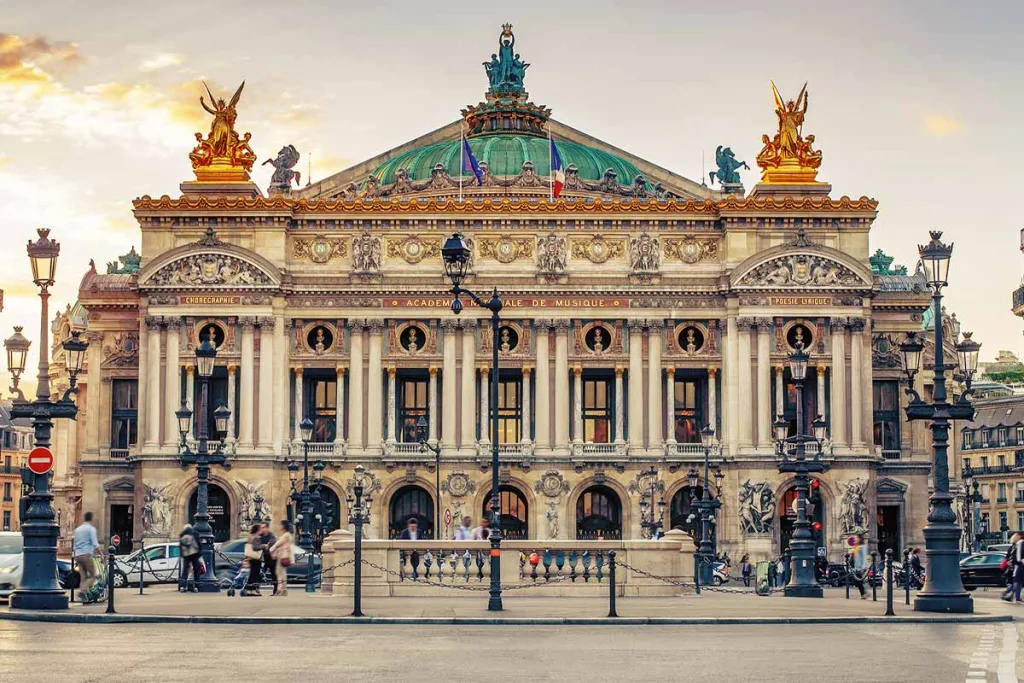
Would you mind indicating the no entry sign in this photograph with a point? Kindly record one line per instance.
(40, 460)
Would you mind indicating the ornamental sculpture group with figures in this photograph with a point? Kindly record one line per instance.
(223, 156)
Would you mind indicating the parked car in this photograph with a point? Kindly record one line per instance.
(230, 553)
(158, 563)
(12, 562)
(719, 574)
(983, 570)
(67, 575)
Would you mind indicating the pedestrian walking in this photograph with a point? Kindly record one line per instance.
(1017, 562)
(780, 571)
(916, 569)
(464, 532)
(1008, 566)
(746, 569)
(85, 548)
(482, 532)
(283, 553)
(859, 570)
(267, 539)
(411, 532)
(191, 558)
(254, 554)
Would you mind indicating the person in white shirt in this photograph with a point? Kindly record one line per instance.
(85, 547)
(482, 532)
(464, 532)
(411, 531)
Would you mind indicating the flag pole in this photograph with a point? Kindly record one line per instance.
(551, 172)
(462, 152)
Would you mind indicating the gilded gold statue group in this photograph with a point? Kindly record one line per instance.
(223, 147)
(789, 148)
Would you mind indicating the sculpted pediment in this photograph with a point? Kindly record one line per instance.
(210, 263)
(801, 264)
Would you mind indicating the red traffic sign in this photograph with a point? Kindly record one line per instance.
(115, 540)
(447, 517)
(40, 460)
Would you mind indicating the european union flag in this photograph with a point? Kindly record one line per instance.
(469, 163)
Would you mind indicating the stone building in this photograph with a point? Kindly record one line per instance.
(15, 444)
(639, 307)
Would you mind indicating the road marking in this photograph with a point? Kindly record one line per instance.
(978, 666)
(1007, 666)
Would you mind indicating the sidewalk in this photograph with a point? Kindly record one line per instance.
(165, 604)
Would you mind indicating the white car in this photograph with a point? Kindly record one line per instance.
(158, 563)
(11, 562)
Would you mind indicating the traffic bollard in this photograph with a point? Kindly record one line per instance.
(787, 569)
(611, 585)
(906, 573)
(888, 579)
(696, 573)
(111, 565)
(847, 564)
(874, 578)
(142, 554)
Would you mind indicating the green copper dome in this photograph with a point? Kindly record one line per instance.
(505, 154)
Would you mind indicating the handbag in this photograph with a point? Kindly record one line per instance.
(285, 561)
(1005, 564)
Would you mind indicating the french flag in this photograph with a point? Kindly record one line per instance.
(469, 163)
(557, 174)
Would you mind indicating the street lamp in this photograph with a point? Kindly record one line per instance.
(39, 589)
(793, 450)
(707, 505)
(203, 457)
(943, 590)
(456, 255)
(359, 514)
(435, 448)
(305, 498)
(652, 494)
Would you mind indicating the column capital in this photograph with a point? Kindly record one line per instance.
(173, 323)
(356, 324)
(577, 370)
(821, 367)
(432, 370)
(449, 324)
(232, 368)
(190, 369)
(636, 326)
(712, 371)
(341, 370)
(247, 322)
(670, 371)
(468, 324)
(857, 324)
(543, 325)
(655, 326)
(298, 369)
(527, 370)
(94, 339)
(619, 370)
(780, 370)
(268, 322)
(154, 322)
(376, 326)
(763, 324)
(561, 324)
(837, 325)
(746, 324)
(484, 370)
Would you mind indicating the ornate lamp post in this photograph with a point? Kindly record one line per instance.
(39, 589)
(421, 435)
(652, 494)
(203, 457)
(793, 450)
(943, 590)
(456, 255)
(305, 499)
(359, 514)
(707, 505)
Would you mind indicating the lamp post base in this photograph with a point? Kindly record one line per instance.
(205, 586)
(39, 599)
(812, 591)
(945, 603)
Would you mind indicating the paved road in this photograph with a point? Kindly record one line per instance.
(932, 653)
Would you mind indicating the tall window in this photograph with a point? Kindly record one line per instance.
(412, 403)
(7, 464)
(810, 400)
(1001, 493)
(689, 409)
(1018, 495)
(7, 491)
(323, 408)
(597, 409)
(1020, 519)
(510, 410)
(1003, 434)
(1003, 523)
(968, 438)
(1001, 459)
(124, 413)
(218, 397)
(1019, 432)
(7, 520)
(886, 408)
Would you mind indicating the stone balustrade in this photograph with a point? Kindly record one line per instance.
(565, 567)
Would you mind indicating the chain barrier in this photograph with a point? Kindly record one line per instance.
(479, 588)
(689, 584)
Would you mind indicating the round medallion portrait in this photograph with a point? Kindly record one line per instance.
(218, 334)
(598, 339)
(691, 339)
(320, 339)
(508, 339)
(799, 334)
(413, 339)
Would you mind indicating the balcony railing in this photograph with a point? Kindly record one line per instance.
(329, 449)
(119, 453)
(892, 454)
(1018, 294)
(506, 451)
(985, 469)
(684, 451)
(1001, 499)
(605, 451)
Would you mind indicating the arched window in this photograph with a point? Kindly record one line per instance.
(412, 502)
(219, 506)
(815, 515)
(515, 519)
(598, 514)
(328, 512)
(683, 514)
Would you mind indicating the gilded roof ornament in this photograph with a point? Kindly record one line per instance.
(223, 156)
(788, 157)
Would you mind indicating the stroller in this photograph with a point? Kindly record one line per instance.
(237, 584)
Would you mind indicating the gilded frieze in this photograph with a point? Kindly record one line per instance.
(506, 249)
(320, 249)
(690, 249)
(597, 249)
(412, 249)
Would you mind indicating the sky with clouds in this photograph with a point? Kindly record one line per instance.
(916, 104)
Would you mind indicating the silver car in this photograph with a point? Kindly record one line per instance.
(11, 562)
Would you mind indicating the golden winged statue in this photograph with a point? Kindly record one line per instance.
(789, 157)
(223, 156)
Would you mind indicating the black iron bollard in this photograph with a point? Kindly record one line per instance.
(888, 579)
(786, 568)
(357, 598)
(611, 585)
(906, 573)
(696, 573)
(142, 555)
(847, 564)
(874, 577)
(111, 565)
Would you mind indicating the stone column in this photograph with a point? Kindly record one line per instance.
(526, 405)
(868, 390)
(712, 398)
(542, 409)
(468, 397)
(449, 384)
(392, 403)
(265, 423)
(670, 405)
(764, 383)
(821, 389)
(780, 391)
(355, 385)
(745, 414)
(374, 412)
(561, 383)
(654, 411)
(299, 416)
(577, 405)
(857, 397)
(838, 334)
(142, 416)
(485, 413)
(172, 385)
(432, 403)
(636, 384)
(731, 384)
(232, 392)
(94, 360)
(620, 408)
(245, 376)
(153, 390)
(281, 380)
(339, 402)
(190, 385)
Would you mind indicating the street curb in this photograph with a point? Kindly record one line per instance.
(67, 618)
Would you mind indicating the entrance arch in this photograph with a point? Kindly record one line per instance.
(219, 507)
(598, 514)
(515, 512)
(683, 514)
(328, 514)
(411, 502)
(816, 515)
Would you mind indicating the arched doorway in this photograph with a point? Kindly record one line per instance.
(327, 515)
(598, 514)
(515, 518)
(411, 502)
(815, 516)
(683, 514)
(219, 506)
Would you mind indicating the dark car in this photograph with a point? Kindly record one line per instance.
(67, 575)
(229, 554)
(983, 570)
